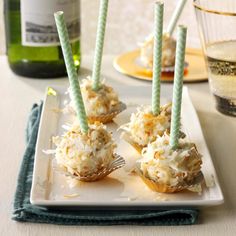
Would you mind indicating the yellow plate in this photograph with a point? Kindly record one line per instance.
(195, 72)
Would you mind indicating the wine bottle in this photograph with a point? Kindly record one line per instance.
(32, 41)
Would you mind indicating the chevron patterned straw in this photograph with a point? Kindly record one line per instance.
(99, 44)
(157, 55)
(178, 85)
(175, 17)
(71, 71)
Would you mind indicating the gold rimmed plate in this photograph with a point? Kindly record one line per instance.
(195, 71)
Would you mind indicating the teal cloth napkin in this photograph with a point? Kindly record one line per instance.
(24, 211)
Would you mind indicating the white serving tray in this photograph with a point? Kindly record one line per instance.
(120, 189)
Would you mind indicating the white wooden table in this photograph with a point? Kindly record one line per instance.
(17, 96)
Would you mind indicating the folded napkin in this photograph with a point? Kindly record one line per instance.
(24, 211)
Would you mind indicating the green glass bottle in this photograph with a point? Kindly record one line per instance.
(31, 37)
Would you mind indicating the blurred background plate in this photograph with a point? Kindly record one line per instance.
(195, 72)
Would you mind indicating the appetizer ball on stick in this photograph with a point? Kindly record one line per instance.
(101, 105)
(85, 155)
(166, 170)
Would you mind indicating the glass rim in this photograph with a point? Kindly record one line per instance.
(201, 8)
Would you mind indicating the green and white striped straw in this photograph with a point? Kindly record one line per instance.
(175, 17)
(96, 74)
(178, 85)
(157, 55)
(71, 71)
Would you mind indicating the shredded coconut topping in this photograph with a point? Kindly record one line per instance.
(84, 154)
(144, 127)
(100, 102)
(166, 166)
(168, 51)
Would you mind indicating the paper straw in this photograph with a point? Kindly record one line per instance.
(178, 85)
(157, 55)
(99, 44)
(175, 17)
(71, 71)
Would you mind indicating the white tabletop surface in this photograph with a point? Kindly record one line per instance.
(17, 96)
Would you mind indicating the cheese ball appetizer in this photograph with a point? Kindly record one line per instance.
(166, 170)
(168, 51)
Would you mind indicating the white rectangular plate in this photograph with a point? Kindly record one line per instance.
(121, 188)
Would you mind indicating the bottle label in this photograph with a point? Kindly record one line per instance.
(38, 26)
